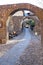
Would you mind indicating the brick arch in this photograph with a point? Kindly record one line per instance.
(6, 10)
(20, 9)
(15, 7)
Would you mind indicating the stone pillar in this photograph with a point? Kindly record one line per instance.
(7, 24)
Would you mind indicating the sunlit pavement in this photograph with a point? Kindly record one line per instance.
(13, 55)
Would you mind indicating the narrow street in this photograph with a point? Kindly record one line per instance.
(13, 55)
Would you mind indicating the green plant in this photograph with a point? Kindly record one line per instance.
(32, 22)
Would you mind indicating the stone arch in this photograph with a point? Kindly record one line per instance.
(14, 7)
(21, 9)
(10, 15)
(14, 11)
(22, 21)
(28, 18)
(7, 24)
(27, 6)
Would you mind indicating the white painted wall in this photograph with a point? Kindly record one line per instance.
(18, 13)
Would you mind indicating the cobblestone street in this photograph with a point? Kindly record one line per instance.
(26, 52)
(33, 54)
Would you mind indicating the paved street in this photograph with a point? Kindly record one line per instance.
(18, 51)
(33, 54)
(10, 43)
(14, 53)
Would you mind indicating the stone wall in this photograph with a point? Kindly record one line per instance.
(18, 19)
(17, 23)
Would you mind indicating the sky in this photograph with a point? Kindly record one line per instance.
(38, 3)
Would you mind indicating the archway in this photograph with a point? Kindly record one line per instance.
(30, 15)
(14, 7)
(35, 19)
